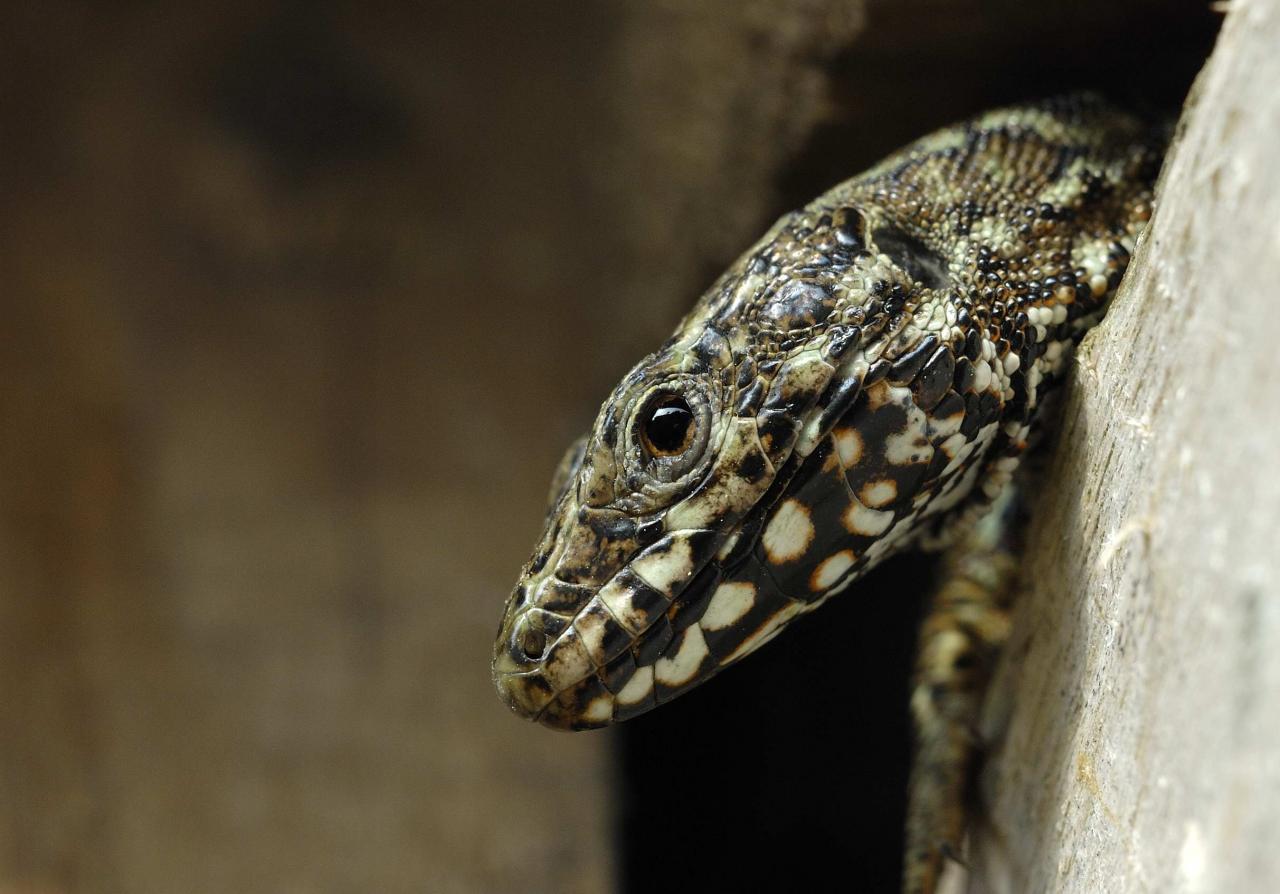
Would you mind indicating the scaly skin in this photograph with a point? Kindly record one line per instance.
(862, 381)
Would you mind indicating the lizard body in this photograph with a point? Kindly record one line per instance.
(862, 381)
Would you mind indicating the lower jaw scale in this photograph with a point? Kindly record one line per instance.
(579, 708)
(527, 694)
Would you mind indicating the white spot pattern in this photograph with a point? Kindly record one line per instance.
(878, 493)
(730, 602)
(664, 569)
(831, 570)
(680, 667)
(789, 532)
(638, 687)
(858, 519)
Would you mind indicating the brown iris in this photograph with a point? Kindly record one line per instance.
(668, 426)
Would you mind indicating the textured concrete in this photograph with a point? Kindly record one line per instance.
(1139, 709)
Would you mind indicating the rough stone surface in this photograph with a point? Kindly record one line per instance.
(1138, 710)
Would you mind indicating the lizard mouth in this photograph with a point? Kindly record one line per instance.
(598, 666)
(553, 679)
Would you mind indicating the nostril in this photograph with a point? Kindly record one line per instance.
(530, 641)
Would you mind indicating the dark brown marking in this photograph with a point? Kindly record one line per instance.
(920, 262)
(934, 380)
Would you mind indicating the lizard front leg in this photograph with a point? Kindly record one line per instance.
(960, 639)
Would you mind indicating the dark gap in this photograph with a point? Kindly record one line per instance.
(914, 71)
(788, 770)
(911, 255)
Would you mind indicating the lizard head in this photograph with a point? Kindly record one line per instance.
(684, 529)
(861, 380)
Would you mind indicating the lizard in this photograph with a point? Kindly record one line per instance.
(866, 379)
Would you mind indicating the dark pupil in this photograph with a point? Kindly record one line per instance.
(667, 429)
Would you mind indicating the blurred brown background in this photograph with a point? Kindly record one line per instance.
(300, 304)
(280, 397)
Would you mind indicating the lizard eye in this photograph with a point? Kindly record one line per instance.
(670, 429)
(667, 426)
